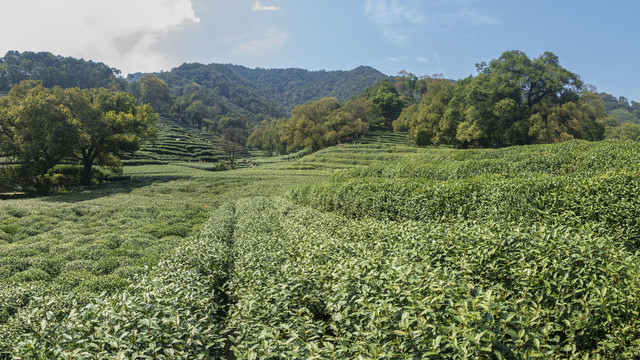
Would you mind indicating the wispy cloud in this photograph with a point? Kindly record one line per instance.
(391, 11)
(454, 19)
(259, 7)
(401, 20)
(269, 41)
(393, 17)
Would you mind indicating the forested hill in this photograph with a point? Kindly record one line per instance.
(57, 70)
(233, 88)
(268, 90)
(290, 87)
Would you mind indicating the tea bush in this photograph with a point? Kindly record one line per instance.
(603, 193)
(174, 312)
(309, 284)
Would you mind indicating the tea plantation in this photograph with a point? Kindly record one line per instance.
(372, 251)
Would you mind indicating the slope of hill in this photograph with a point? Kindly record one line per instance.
(274, 92)
(56, 70)
(290, 87)
(510, 253)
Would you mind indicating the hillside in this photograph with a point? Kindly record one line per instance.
(373, 251)
(273, 92)
(57, 70)
(290, 87)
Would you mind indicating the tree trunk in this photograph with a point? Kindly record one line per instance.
(87, 162)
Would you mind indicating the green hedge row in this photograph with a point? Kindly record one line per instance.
(604, 193)
(174, 312)
(309, 284)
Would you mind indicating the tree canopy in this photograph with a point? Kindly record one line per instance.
(513, 100)
(315, 125)
(42, 127)
(55, 70)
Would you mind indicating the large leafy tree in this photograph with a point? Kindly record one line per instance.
(266, 137)
(513, 100)
(42, 127)
(425, 121)
(108, 124)
(36, 132)
(152, 90)
(315, 125)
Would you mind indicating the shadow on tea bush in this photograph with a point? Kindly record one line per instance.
(105, 283)
(107, 265)
(79, 266)
(160, 230)
(53, 266)
(71, 279)
(30, 275)
(130, 272)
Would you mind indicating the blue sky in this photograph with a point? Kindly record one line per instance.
(595, 39)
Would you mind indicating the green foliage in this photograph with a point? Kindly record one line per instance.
(513, 100)
(43, 127)
(625, 131)
(311, 284)
(385, 97)
(620, 108)
(316, 125)
(183, 295)
(426, 121)
(511, 253)
(66, 72)
(287, 88)
(585, 185)
(155, 92)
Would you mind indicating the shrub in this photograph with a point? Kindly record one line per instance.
(30, 276)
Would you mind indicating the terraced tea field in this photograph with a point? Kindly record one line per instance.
(378, 250)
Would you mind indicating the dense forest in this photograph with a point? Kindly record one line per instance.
(514, 100)
(56, 70)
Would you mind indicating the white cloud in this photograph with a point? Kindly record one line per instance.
(422, 60)
(120, 33)
(259, 7)
(269, 41)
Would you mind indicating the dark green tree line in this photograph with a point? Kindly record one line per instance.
(55, 70)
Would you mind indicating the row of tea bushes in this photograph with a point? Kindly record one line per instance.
(309, 284)
(174, 312)
(270, 279)
(606, 200)
(572, 157)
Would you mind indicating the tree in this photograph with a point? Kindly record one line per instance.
(625, 131)
(384, 95)
(155, 92)
(108, 124)
(36, 132)
(513, 100)
(42, 127)
(265, 137)
(317, 124)
(424, 121)
(233, 141)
